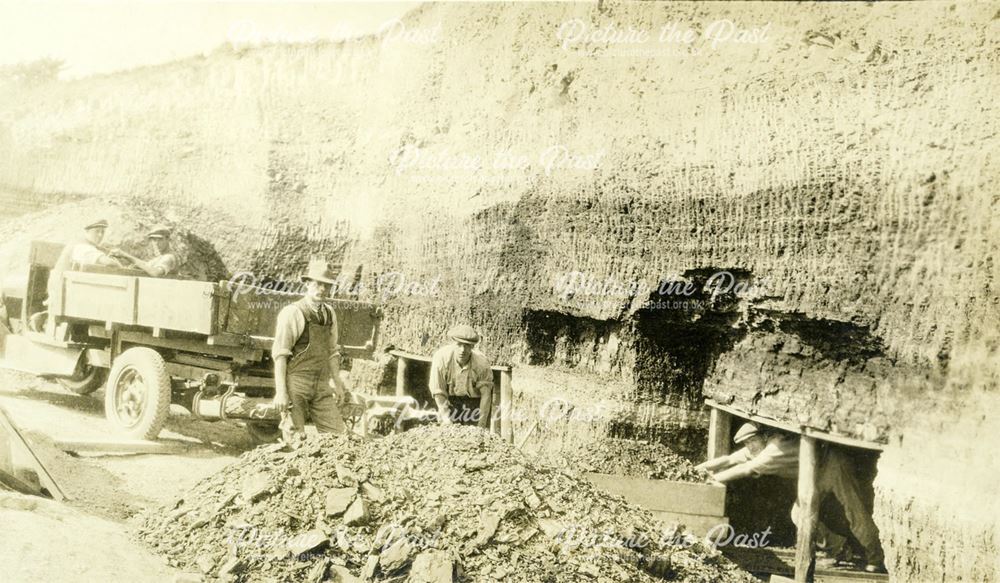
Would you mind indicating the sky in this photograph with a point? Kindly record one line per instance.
(102, 36)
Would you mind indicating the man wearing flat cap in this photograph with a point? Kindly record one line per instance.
(163, 262)
(306, 354)
(772, 453)
(462, 380)
(90, 252)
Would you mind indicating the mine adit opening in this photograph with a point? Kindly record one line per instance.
(664, 349)
(764, 503)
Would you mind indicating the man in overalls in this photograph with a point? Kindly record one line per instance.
(306, 356)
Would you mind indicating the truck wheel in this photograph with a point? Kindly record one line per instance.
(86, 380)
(137, 398)
(263, 433)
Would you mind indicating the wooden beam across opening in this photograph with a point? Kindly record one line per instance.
(800, 429)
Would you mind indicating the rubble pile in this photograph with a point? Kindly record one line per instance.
(433, 505)
(627, 457)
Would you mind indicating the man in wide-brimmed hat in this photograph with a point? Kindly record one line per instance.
(462, 380)
(163, 262)
(306, 355)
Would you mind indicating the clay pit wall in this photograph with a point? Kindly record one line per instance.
(843, 171)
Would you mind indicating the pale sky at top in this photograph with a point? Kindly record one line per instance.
(104, 36)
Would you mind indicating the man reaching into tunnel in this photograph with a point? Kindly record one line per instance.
(777, 454)
(306, 354)
(462, 380)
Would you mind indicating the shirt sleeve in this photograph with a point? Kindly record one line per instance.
(334, 334)
(168, 263)
(287, 330)
(739, 457)
(87, 254)
(771, 461)
(484, 376)
(438, 381)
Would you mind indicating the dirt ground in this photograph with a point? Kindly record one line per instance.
(104, 491)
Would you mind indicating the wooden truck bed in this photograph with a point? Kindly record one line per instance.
(210, 309)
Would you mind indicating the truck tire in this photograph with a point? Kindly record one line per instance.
(137, 397)
(86, 380)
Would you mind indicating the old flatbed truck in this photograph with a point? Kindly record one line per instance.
(154, 342)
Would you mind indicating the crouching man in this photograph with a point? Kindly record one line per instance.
(462, 380)
(777, 454)
(306, 356)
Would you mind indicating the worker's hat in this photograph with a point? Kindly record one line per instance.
(745, 432)
(320, 270)
(463, 334)
(158, 232)
(101, 224)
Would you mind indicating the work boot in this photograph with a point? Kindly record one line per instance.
(835, 545)
(875, 561)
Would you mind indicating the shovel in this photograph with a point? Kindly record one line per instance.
(288, 429)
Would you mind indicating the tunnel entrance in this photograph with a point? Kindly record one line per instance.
(663, 350)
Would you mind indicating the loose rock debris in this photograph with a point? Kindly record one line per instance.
(627, 457)
(431, 505)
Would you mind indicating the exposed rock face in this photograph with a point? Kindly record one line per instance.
(841, 170)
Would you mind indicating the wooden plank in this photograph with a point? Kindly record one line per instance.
(6, 457)
(421, 358)
(410, 356)
(174, 304)
(792, 428)
(254, 312)
(696, 524)
(842, 439)
(43, 475)
(497, 408)
(665, 495)
(98, 296)
(506, 406)
(400, 376)
(719, 428)
(808, 509)
(778, 561)
(193, 344)
(135, 446)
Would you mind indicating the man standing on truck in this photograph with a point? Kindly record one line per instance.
(164, 262)
(462, 380)
(90, 252)
(306, 356)
(777, 454)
